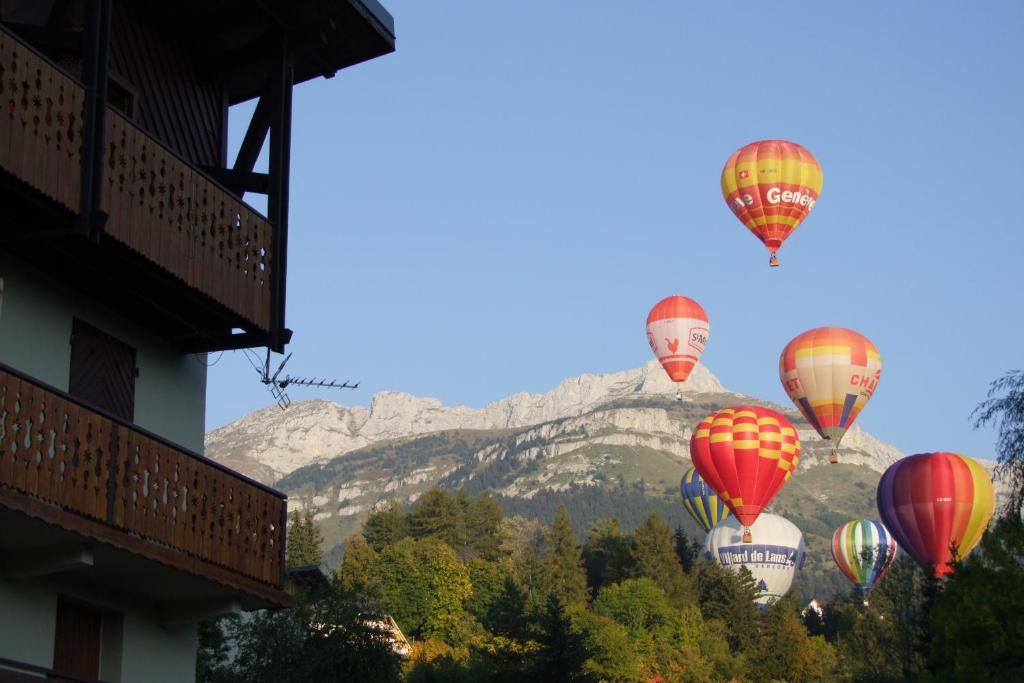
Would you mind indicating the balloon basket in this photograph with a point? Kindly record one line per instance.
(679, 395)
(747, 537)
(833, 457)
(773, 261)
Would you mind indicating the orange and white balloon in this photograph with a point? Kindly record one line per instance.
(678, 330)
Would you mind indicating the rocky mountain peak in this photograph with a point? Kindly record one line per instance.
(270, 443)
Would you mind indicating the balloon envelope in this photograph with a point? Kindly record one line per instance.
(746, 454)
(830, 374)
(773, 559)
(932, 501)
(701, 501)
(678, 331)
(771, 186)
(863, 550)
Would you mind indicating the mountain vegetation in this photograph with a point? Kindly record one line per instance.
(488, 597)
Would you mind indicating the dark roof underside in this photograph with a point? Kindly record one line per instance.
(236, 40)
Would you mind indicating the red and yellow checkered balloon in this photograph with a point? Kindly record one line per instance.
(771, 186)
(746, 454)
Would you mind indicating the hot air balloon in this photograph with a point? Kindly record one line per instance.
(830, 373)
(932, 501)
(863, 550)
(678, 330)
(773, 561)
(771, 186)
(701, 501)
(745, 453)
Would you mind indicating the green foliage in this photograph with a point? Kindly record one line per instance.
(303, 546)
(358, 568)
(422, 583)
(639, 605)
(977, 622)
(729, 597)
(326, 637)
(784, 651)
(566, 578)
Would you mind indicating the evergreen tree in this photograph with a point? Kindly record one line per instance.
(686, 550)
(653, 555)
(481, 525)
(303, 546)
(605, 554)
(784, 651)
(507, 615)
(566, 578)
(386, 526)
(729, 596)
(562, 647)
(436, 515)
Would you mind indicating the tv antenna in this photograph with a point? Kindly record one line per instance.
(277, 384)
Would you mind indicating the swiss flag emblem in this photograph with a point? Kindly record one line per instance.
(744, 174)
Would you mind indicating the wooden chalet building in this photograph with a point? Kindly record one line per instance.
(126, 254)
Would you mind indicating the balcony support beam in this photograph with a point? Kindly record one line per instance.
(255, 136)
(48, 560)
(94, 74)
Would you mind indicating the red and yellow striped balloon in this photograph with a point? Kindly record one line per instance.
(830, 374)
(746, 454)
(771, 186)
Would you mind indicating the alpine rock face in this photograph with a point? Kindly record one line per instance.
(590, 430)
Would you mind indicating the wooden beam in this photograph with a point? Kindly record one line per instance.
(94, 74)
(43, 561)
(182, 613)
(255, 136)
(280, 96)
(239, 181)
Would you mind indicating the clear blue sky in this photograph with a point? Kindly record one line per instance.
(497, 205)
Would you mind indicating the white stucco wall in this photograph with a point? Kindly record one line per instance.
(35, 330)
(147, 651)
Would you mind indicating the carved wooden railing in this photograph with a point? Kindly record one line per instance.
(41, 131)
(158, 204)
(58, 451)
(165, 209)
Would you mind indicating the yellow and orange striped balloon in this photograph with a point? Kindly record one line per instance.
(771, 186)
(830, 373)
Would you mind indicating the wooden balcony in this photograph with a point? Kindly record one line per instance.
(176, 249)
(101, 479)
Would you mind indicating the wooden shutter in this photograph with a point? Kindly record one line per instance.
(76, 646)
(102, 371)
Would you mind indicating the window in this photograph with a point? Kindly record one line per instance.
(87, 641)
(102, 371)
